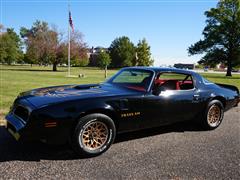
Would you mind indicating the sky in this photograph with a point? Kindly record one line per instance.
(169, 26)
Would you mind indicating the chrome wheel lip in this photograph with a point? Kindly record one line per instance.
(93, 135)
(214, 115)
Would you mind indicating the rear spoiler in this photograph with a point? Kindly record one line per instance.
(234, 88)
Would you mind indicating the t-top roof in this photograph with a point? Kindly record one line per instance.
(160, 69)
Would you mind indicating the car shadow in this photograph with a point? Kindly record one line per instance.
(10, 150)
(177, 127)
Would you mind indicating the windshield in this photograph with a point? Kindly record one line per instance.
(133, 79)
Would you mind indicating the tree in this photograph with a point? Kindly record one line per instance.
(62, 52)
(78, 50)
(1, 28)
(10, 47)
(221, 41)
(3, 47)
(45, 45)
(104, 60)
(41, 43)
(122, 52)
(143, 54)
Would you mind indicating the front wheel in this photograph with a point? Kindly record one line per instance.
(93, 135)
(213, 115)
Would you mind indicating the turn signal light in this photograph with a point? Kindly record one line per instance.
(50, 124)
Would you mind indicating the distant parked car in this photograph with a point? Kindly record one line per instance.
(89, 116)
(235, 70)
(205, 69)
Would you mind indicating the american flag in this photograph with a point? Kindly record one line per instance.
(70, 21)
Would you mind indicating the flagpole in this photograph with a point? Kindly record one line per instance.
(69, 39)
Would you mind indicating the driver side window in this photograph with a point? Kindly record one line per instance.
(172, 81)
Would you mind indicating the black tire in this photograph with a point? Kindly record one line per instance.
(88, 140)
(213, 115)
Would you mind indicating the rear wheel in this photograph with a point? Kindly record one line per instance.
(213, 115)
(93, 135)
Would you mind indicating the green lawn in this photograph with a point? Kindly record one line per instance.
(15, 79)
(221, 78)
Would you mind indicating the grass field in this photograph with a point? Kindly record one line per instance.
(15, 79)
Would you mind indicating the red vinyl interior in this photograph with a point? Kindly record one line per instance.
(178, 82)
(137, 88)
(159, 82)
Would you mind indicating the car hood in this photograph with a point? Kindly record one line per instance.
(51, 95)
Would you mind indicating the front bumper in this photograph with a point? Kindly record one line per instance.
(31, 131)
(15, 126)
(14, 134)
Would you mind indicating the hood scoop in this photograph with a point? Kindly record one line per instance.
(87, 86)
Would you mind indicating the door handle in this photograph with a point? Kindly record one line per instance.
(124, 104)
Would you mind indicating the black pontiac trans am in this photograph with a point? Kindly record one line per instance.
(89, 116)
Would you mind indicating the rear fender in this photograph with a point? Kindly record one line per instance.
(231, 87)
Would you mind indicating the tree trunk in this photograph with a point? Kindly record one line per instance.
(229, 67)
(54, 66)
(105, 72)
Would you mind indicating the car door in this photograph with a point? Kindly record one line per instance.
(130, 113)
(170, 106)
(178, 99)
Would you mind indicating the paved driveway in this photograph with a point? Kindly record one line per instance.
(180, 151)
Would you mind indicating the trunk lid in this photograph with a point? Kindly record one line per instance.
(231, 87)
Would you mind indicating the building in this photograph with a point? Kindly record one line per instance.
(93, 53)
(184, 66)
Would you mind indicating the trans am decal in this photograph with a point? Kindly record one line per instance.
(130, 114)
